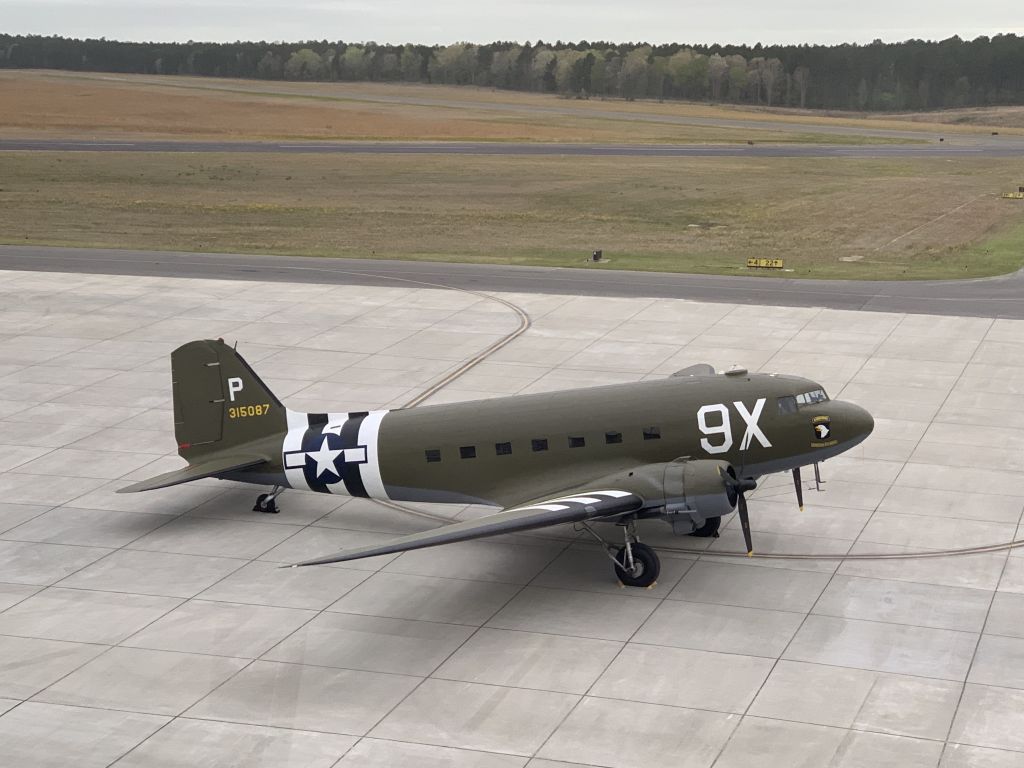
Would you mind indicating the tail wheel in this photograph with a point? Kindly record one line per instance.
(644, 569)
(266, 503)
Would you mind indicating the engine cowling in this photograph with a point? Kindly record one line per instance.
(690, 491)
(697, 490)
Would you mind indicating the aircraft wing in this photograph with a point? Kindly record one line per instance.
(586, 505)
(210, 468)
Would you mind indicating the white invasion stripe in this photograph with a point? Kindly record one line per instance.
(548, 507)
(369, 432)
(335, 422)
(585, 500)
(297, 420)
(293, 473)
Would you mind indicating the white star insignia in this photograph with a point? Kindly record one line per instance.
(325, 459)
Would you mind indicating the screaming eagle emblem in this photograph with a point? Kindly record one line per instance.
(822, 426)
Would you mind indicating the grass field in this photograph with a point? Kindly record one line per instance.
(853, 218)
(831, 217)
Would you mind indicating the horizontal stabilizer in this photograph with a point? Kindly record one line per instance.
(587, 505)
(209, 468)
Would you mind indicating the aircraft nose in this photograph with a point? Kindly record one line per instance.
(858, 421)
(865, 421)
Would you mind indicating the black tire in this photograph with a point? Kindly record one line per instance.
(266, 505)
(709, 529)
(646, 566)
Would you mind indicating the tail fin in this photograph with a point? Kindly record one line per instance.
(225, 418)
(219, 401)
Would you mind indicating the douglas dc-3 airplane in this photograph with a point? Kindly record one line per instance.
(684, 449)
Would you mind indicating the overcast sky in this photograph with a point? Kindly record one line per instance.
(481, 21)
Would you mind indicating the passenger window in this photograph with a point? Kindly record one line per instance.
(652, 433)
(787, 404)
(577, 442)
(467, 452)
(503, 449)
(433, 454)
(612, 437)
(540, 444)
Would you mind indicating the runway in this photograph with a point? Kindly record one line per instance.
(1011, 148)
(1001, 297)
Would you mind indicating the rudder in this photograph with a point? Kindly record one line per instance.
(219, 401)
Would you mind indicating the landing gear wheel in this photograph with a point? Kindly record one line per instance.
(646, 566)
(266, 503)
(709, 529)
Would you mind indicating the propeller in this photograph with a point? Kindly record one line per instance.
(799, 488)
(740, 487)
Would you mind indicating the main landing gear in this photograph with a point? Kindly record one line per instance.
(709, 530)
(636, 564)
(267, 502)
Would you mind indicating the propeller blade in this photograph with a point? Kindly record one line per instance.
(799, 488)
(745, 524)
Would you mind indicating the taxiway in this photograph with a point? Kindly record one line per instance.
(1011, 147)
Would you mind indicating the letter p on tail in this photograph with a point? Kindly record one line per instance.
(219, 401)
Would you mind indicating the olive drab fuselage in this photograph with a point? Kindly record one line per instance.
(508, 450)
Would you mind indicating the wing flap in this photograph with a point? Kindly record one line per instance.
(589, 505)
(210, 468)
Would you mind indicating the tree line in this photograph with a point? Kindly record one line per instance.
(911, 75)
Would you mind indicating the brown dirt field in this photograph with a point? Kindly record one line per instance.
(458, 100)
(57, 105)
(977, 119)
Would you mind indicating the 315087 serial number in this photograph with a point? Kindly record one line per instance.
(245, 411)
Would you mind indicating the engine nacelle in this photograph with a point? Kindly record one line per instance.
(696, 491)
(691, 491)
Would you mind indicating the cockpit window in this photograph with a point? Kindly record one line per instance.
(792, 403)
(812, 397)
